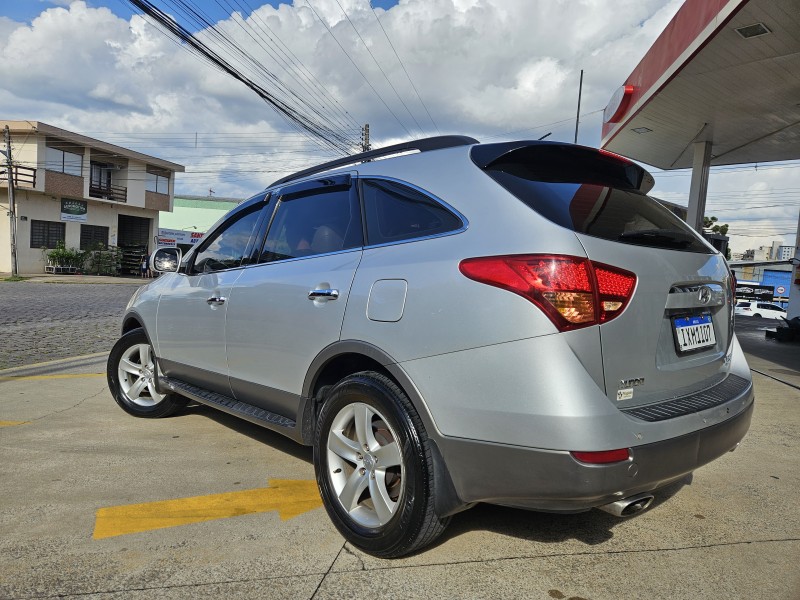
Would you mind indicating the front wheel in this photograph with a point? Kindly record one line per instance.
(374, 467)
(131, 372)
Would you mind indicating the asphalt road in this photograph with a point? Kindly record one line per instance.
(47, 321)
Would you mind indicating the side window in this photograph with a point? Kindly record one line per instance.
(397, 212)
(226, 248)
(312, 222)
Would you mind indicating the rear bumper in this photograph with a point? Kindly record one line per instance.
(554, 481)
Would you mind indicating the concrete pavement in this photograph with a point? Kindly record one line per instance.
(69, 454)
(731, 531)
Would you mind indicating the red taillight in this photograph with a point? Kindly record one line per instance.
(573, 291)
(603, 457)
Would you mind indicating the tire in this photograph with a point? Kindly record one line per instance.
(376, 481)
(131, 373)
(757, 315)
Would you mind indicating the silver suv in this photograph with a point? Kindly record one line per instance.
(513, 323)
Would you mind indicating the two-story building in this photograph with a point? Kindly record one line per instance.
(80, 191)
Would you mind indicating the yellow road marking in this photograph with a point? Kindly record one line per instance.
(12, 423)
(41, 377)
(287, 496)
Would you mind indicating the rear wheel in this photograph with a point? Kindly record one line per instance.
(374, 467)
(132, 373)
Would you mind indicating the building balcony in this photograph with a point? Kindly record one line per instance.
(63, 184)
(114, 193)
(23, 177)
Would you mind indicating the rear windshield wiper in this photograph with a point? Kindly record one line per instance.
(671, 238)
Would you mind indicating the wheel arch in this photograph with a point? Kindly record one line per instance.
(351, 356)
(130, 322)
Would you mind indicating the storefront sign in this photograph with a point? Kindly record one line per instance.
(173, 237)
(74, 210)
(746, 291)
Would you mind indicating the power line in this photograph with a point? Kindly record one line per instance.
(377, 64)
(293, 108)
(280, 57)
(374, 91)
(302, 68)
(404, 68)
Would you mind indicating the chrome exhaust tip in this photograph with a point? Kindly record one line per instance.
(627, 507)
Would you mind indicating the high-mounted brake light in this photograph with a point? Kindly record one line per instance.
(603, 457)
(572, 291)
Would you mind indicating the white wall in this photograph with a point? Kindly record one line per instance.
(37, 206)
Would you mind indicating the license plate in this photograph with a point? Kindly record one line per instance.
(693, 333)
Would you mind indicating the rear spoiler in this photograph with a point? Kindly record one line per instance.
(559, 162)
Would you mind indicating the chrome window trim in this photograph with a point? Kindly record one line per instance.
(437, 200)
(296, 258)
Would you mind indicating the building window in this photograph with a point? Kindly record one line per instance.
(63, 161)
(93, 237)
(47, 234)
(157, 183)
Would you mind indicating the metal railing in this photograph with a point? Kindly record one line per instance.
(23, 176)
(115, 193)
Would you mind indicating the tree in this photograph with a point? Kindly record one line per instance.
(711, 224)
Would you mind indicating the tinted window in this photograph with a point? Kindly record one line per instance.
(579, 199)
(397, 212)
(314, 221)
(226, 248)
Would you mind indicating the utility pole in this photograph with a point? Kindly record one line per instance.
(365, 147)
(578, 117)
(12, 214)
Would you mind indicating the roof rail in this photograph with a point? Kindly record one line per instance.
(423, 145)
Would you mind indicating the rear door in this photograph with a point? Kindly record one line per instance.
(673, 337)
(286, 309)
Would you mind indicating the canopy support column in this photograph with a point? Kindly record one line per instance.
(699, 186)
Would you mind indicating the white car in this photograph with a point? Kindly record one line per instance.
(754, 308)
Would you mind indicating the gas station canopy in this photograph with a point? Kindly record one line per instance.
(725, 72)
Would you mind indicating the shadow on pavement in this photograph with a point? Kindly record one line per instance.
(751, 332)
(255, 432)
(593, 527)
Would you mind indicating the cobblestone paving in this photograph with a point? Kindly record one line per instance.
(47, 321)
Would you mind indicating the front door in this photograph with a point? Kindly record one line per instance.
(286, 309)
(190, 325)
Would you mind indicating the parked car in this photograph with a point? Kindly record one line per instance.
(755, 308)
(513, 323)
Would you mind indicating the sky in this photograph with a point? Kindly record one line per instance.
(493, 69)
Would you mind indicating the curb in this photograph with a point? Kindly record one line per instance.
(51, 363)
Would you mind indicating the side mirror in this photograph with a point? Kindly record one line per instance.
(166, 260)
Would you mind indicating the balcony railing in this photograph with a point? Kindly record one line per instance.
(23, 176)
(115, 193)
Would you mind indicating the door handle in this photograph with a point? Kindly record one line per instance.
(216, 300)
(323, 294)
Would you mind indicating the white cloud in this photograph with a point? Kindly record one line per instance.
(482, 67)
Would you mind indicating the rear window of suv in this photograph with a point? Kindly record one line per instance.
(591, 193)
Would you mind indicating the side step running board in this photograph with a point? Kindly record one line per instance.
(251, 413)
